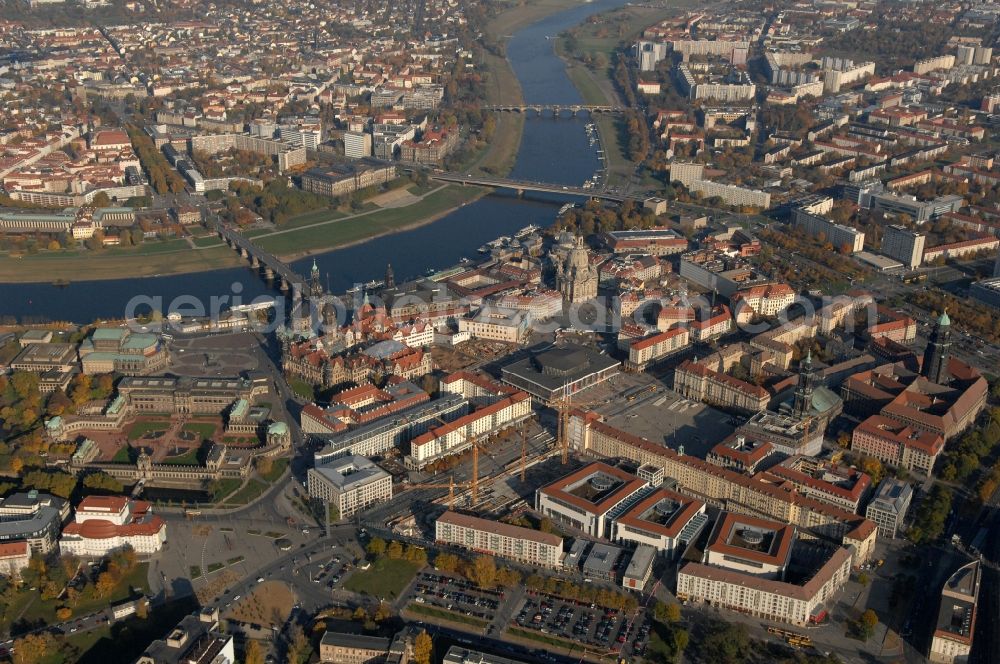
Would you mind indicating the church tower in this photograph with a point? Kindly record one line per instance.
(938, 351)
(390, 277)
(315, 284)
(804, 390)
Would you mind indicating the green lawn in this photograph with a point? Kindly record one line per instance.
(445, 614)
(541, 638)
(222, 488)
(140, 429)
(189, 458)
(369, 225)
(278, 467)
(149, 247)
(194, 571)
(207, 241)
(312, 218)
(123, 455)
(584, 82)
(204, 429)
(385, 579)
(250, 491)
(302, 388)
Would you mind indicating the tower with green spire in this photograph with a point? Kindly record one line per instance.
(804, 390)
(938, 351)
(315, 284)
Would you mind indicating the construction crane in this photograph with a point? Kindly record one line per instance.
(563, 406)
(451, 489)
(473, 483)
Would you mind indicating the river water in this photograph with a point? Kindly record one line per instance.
(551, 150)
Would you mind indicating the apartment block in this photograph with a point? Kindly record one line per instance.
(499, 539)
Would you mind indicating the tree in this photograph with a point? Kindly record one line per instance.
(58, 404)
(446, 562)
(863, 579)
(79, 391)
(416, 555)
(102, 481)
(868, 623)
(63, 613)
(508, 578)
(142, 609)
(382, 613)
(843, 440)
(298, 645)
(726, 643)
(265, 465)
(376, 547)
(482, 571)
(423, 646)
(394, 550)
(874, 468)
(101, 200)
(681, 639)
(105, 584)
(32, 648)
(252, 653)
(673, 613)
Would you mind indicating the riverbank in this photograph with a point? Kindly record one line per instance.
(177, 257)
(503, 88)
(597, 40)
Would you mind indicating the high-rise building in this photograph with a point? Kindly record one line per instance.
(956, 620)
(357, 144)
(903, 244)
(888, 508)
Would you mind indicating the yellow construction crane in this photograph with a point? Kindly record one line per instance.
(563, 407)
(473, 483)
(451, 489)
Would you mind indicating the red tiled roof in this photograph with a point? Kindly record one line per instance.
(688, 508)
(13, 549)
(630, 484)
(780, 548)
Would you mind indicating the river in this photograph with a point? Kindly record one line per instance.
(551, 150)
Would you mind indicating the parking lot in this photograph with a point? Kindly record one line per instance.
(329, 573)
(599, 628)
(456, 594)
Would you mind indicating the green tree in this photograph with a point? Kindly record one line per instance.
(726, 643)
